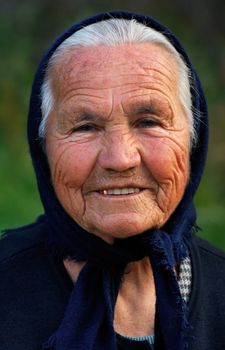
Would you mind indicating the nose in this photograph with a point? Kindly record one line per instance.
(120, 152)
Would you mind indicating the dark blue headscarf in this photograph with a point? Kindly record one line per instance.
(88, 319)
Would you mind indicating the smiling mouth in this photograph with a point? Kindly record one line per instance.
(120, 191)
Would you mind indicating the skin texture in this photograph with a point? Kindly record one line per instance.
(117, 122)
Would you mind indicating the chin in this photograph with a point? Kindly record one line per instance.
(121, 229)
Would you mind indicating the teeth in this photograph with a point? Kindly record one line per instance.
(119, 191)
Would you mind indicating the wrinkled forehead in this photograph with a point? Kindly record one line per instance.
(134, 62)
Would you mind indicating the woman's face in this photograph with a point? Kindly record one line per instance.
(117, 138)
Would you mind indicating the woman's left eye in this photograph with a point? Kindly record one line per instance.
(147, 123)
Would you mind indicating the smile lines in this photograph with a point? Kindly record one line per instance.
(120, 191)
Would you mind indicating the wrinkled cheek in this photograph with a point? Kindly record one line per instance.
(172, 190)
(68, 167)
(68, 175)
(170, 170)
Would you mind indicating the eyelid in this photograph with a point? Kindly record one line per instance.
(90, 125)
(149, 118)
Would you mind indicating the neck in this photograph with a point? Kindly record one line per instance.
(135, 306)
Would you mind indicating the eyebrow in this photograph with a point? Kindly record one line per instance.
(76, 117)
(70, 118)
(144, 109)
(164, 111)
(88, 117)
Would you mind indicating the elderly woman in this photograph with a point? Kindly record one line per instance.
(118, 136)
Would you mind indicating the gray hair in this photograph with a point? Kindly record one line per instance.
(115, 32)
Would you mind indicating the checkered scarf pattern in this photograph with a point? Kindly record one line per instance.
(185, 279)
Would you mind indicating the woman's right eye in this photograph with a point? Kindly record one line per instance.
(85, 128)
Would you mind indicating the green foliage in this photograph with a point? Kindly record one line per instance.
(26, 28)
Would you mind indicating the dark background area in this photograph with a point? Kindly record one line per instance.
(28, 27)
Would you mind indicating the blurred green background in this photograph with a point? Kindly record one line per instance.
(27, 27)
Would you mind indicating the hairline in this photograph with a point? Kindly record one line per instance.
(154, 37)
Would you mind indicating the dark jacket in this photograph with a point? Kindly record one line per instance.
(35, 289)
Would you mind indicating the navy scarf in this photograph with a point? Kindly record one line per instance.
(88, 319)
